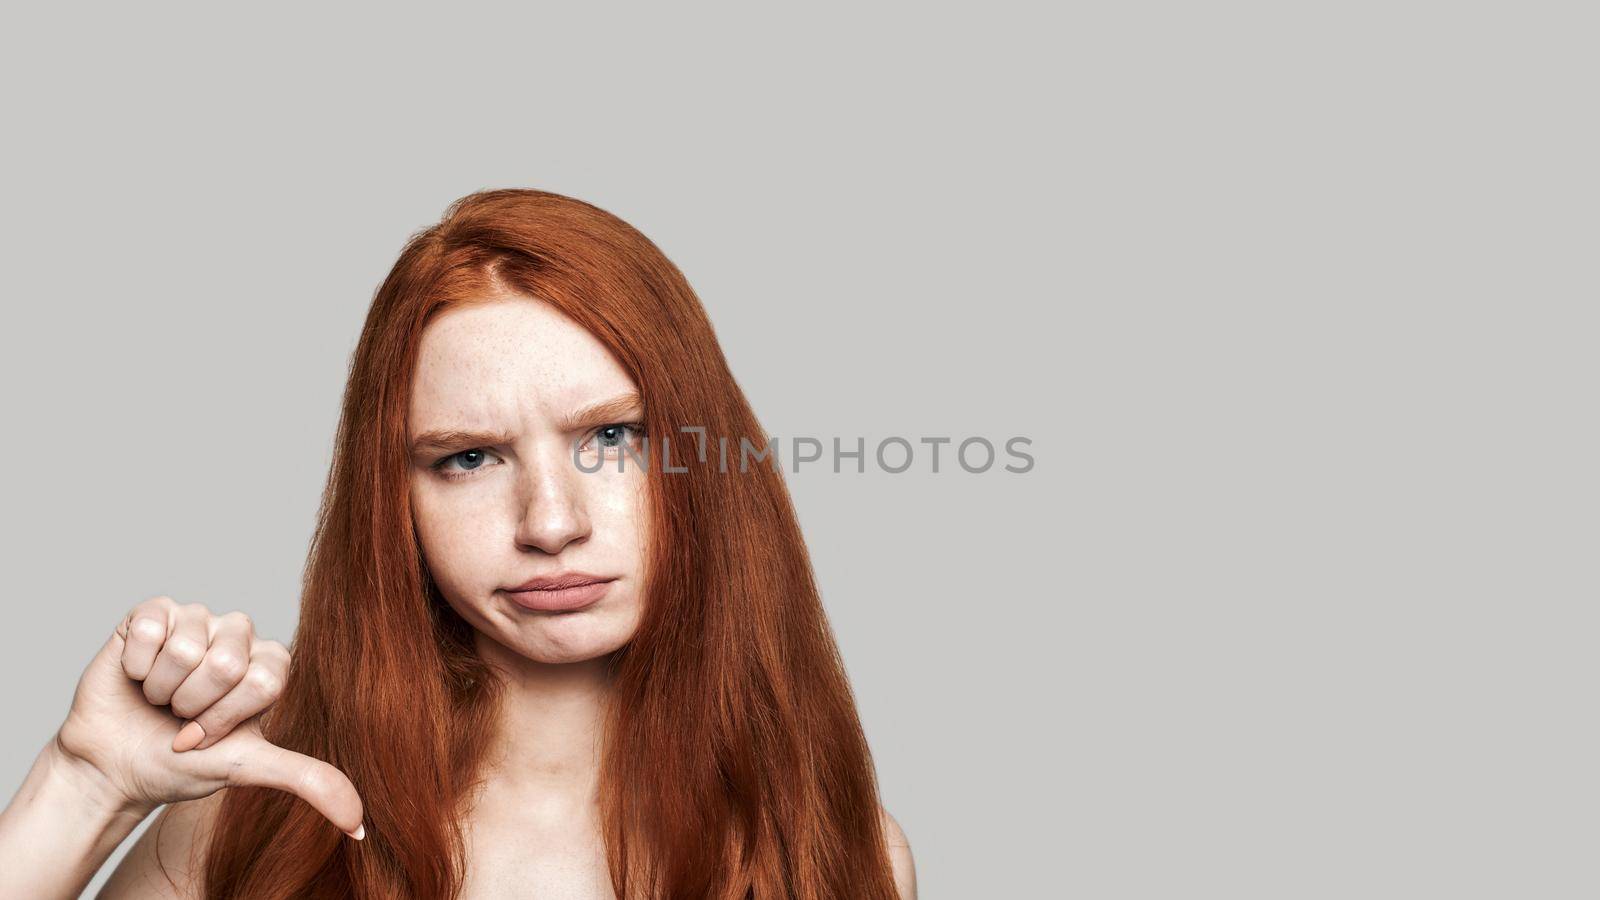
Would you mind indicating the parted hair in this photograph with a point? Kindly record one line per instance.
(733, 764)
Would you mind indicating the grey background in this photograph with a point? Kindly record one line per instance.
(1295, 301)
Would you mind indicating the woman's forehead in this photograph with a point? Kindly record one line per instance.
(510, 359)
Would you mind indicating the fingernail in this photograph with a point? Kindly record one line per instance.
(360, 832)
(188, 738)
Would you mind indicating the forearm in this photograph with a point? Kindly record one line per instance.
(59, 830)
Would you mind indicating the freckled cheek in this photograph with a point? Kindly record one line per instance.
(618, 514)
(459, 544)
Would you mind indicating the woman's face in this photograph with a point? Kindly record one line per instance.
(507, 501)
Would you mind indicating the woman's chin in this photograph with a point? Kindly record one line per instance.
(564, 641)
(553, 637)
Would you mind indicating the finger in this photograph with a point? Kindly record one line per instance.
(144, 630)
(220, 670)
(262, 685)
(312, 780)
(186, 644)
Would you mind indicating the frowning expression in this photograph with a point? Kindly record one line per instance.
(505, 389)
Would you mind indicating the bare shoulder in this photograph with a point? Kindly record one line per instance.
(905, 872)
(166, 862)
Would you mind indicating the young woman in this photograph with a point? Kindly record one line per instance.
(554, 639)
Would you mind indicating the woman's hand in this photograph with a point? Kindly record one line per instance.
(167, 663)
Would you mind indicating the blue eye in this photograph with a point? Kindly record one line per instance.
(476, 462)
(470, 453)
(611, 437)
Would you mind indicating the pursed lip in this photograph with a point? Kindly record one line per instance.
(566, 592)
(561, 581)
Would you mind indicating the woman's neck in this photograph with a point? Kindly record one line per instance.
(547, 746)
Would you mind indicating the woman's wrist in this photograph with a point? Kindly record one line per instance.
(61, 826)
(77, 781)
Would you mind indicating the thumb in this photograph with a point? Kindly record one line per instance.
(106, 666)
(263, 764)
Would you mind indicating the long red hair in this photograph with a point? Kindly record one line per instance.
(734, 762)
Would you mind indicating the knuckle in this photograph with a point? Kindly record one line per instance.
(240, 618)
(264, 681)
(147, 628)
(228, 665)
(185, 651)
(152, 607)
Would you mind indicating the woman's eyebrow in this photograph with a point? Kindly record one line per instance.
(604, 412)
(440, 440)
(443, 439)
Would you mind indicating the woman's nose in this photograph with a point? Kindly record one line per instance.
(553, 510)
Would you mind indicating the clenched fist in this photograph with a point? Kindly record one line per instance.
(169, 710)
